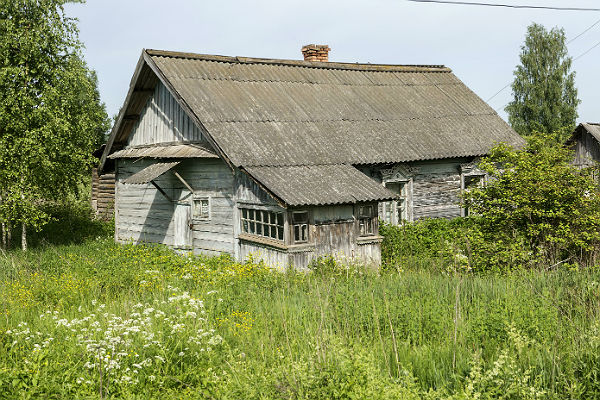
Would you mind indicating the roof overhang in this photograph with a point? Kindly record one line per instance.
(141, 89)
(305, 185)
(150, 173)
(187, 150)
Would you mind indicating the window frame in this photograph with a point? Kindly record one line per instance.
(482, 182)
(405, 192)
(274, 221)
(368, 220)
(199, 216)
(305, 223)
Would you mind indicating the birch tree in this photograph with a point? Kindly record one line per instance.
(51, 117)
(544, 92)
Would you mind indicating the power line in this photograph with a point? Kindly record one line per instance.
(497, 93)
(466, 3)
(585, 31)
(576, 58)
(587, 51)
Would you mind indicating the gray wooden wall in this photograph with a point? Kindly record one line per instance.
(103, 194)
(436, 190)
(435, 186)
(587, 150)
(143, 214)
(163, 121)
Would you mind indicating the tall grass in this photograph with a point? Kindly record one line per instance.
(83, 317)
(328, 334)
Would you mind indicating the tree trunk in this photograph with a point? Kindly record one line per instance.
(8, 234)
(3, 236)
(24, 236)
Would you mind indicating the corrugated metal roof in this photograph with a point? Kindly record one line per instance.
(593, 129)
(151, 172)
(281, 112)
(320, 184)
(165, 151)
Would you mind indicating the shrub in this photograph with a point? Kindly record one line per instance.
(538, 201)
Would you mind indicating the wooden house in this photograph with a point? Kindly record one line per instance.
(289, 160)
(103, 188)
(585, 140)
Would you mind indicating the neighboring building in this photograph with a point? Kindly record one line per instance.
(290, 160)
(586, 143)
(103, 188)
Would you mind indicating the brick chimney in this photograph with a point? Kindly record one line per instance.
(316, 52)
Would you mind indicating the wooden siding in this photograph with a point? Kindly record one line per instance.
(145, 215)
(333, 230)
(434, 190)
(587, 150)
(163, 121)
(103, 194)
(248, 191)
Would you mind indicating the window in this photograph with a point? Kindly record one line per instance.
(201, 208)
(300, 226)
(471, 182)
(262, 223)
(366, 220)
(396, 212)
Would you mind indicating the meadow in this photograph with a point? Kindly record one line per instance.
(95, 319)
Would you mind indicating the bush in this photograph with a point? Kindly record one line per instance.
(536, 200)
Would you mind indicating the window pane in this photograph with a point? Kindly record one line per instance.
(280, 233)
(245, 226)
(252, 227)
(244, 213)
(280, 219)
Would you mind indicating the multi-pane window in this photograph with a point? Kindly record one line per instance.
(396, 212)
(300, 226)
(366, 220)
(262, 223)
(201, 208)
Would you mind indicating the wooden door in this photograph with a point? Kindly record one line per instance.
(182, 232)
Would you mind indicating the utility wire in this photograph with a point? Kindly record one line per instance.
(582, 33)
(466, 3)
(569, 42)
(587, 51)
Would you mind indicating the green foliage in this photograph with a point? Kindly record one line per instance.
(286, 336)
(426, 243)
(535, 199)
(545, 97)
(51, 117)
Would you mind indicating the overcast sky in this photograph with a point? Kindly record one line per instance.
(481, 44)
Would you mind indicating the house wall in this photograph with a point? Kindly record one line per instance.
(333, 230)
(103, 194)
(433, 187)
(587, 150)
(143, 214)
(163, 121)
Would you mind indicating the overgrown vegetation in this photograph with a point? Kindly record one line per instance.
(536, 211)
(97, 319)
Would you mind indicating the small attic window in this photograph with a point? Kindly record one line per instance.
(201, 208)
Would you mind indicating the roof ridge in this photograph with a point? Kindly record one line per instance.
(300, 63)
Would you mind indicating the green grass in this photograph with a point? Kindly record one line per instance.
(231, 330)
